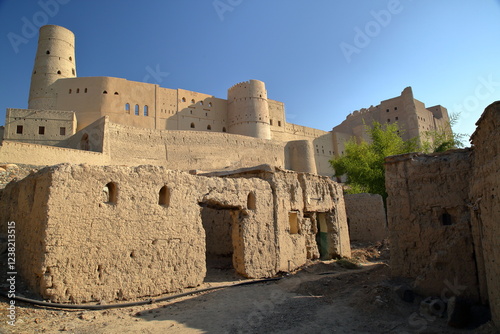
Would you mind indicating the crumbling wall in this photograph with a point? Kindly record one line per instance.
(303, 203)
(429, 222)
(91, 233)
(324, 196)
(25, 204)
(366, 217)
(485, 205)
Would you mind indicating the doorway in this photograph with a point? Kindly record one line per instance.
(218, 223)
(322, 235)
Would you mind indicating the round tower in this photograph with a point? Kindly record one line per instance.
(248, 110)
(55, 59)
(301, 156)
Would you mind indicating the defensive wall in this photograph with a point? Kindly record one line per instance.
(443, 214)
(184, 150)
(148, 230)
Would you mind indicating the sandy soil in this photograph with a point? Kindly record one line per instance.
(323, 297)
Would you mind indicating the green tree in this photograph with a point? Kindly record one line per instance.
(443, 139)
(363, 163)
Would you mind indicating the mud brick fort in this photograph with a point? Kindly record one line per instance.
(103, 120)
(154, 182)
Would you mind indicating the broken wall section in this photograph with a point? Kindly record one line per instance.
(366, 217)
(429, 222)
(309, 215)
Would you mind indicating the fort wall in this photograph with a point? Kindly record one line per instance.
(43, 155)
(187, 150)
(366, 217)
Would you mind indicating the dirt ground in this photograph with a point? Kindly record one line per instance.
(323, 297)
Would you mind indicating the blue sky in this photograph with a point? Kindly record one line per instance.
(322, 58)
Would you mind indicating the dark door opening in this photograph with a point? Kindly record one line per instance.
(218, 223)
(322, 235)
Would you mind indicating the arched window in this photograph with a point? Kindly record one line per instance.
(70, 90)
(136, 111)
(73, 71)
(127, 107)
(209, 127)
(192, 125)
(48, 52)
(251, 201)
(164, 197)
(183, 99)
(70, 58)
(146, 111)
(105, 92)
(116, 93)
(58, 72)
(110, 193)
(78, 90)
(209, 104)
(201, 103)
(85, 90)
(192, 101)
(224, 129)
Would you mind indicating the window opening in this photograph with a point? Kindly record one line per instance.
(251, 201)
(164, 196)
(110, 193)
(294, 223)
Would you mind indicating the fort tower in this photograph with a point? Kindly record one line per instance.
(248, 110)
(55, 59)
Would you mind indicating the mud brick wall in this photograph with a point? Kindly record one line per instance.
(90, 233)
(366, 217)
(485, 205)
(429, 222)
